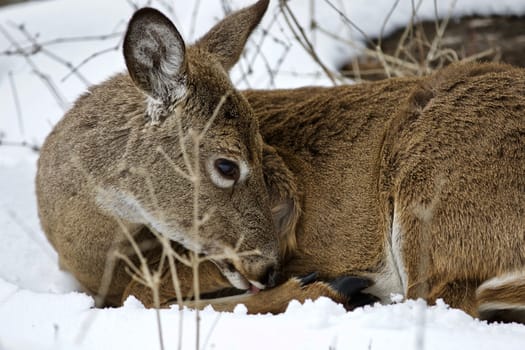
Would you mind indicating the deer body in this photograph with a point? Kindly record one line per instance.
(332, 141)
(417, 185)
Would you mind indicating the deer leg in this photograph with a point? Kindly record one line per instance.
(459, 294)
(422, 275)
(502, 298)
(211, 281)
(344, 290)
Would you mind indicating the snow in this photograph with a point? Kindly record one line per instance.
(42, 307)
(68, 321)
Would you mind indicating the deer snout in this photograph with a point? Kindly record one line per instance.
(251, 274)
(261, 273)
(269, 277)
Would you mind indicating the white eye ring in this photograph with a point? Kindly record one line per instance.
(221, 178)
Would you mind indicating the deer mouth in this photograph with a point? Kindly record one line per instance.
(237, 279)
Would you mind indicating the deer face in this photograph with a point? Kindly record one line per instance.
(206, 174)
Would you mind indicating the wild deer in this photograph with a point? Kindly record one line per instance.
(413, 186)
(105, 168)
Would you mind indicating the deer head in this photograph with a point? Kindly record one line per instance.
(201, 137)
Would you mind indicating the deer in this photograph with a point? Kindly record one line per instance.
(412, 186)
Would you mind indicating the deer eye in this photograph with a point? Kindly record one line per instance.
(227, 169)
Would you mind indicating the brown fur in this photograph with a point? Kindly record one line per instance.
(417, 184)
(101, 170)
(446, 153)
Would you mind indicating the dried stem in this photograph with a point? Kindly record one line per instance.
(23, 144)
(301, 37)
(194, 15)
(16, 100)
(45, 78)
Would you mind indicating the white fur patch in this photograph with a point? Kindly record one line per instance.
(126, 207)
(499, 306)
(119, 204)
(392, 280)
(396, 246)
(504, 279)
(511, 281)
(236, 279)
(259, 285)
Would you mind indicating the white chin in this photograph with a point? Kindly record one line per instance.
(258, 285)
(236, 279)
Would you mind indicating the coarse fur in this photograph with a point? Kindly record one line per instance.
(416, 184)
(110, 165)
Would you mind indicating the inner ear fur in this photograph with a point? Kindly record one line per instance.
(284, 199)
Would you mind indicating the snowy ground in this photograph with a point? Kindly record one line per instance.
(40, 306)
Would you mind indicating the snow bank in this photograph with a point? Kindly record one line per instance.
(31, 320)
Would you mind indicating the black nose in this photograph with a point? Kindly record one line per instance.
(269, 277)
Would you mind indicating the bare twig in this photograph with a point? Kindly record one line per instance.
(30, 50)
(194, 14)
(440, 31)
(301, 37)
(23, 144)
(385, 21)
(74, 69)
(17, 104)
(144, 275)
(45, 78)
(38, 48)
(347, 20)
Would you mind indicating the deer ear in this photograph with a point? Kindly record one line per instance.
(227, 38)
(155, 56)
(284, 198)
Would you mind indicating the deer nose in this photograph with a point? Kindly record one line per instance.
(269, 277)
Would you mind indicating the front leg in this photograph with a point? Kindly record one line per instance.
(460, 294)
(211, 281)
(344, 290)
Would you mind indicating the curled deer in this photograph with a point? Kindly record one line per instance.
(411, 186)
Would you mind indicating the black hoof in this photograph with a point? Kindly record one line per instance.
(350, 285)
(310, 278)
(352, 288)
(361, 299)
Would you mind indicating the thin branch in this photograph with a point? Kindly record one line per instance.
(387, 18)
(409, 28)
(45, 78)
(75, 69)
(33, 50)
(37, 47)
(175, 167)
(440, 31)
(374, 53)
(194, 14)
(16, 100)
(23, 144)
(350, 22)
(301, 37)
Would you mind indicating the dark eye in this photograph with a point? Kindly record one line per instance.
(228, 169)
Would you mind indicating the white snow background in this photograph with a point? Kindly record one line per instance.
(41, 307)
